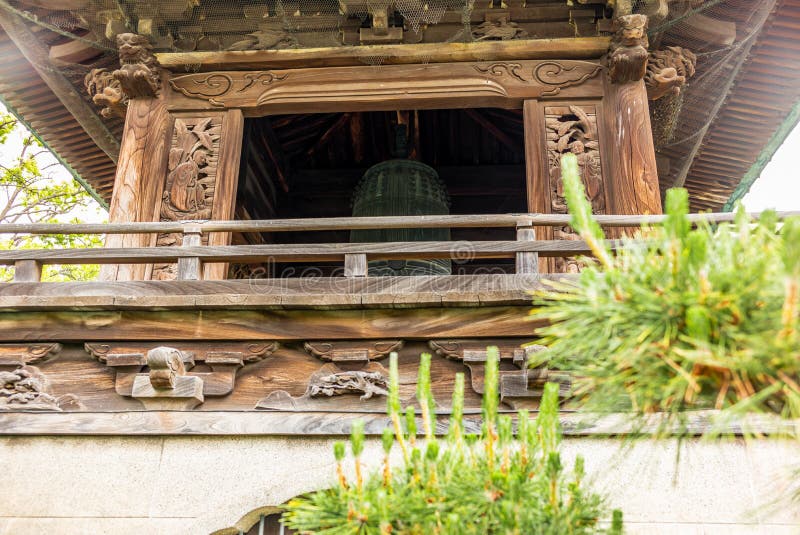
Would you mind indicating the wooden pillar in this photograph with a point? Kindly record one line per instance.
(139, 181)
(537, 173)
(630, 158)
(159, 151)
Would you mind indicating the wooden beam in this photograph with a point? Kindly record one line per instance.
(38, 56)
(566, 48)
(390, 88)
(260, 324)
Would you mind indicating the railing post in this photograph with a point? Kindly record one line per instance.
(527, 262)
(27, 271)
(355, 265)
(189, 268)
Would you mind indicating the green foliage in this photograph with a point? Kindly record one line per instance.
(492, 483)
(680, 318)
(29, 194)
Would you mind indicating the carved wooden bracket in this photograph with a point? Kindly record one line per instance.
(519, 384)
(138, 74)
(627, 56)
(352, 351)
(167, 385)
(16, 355)
(225, 359)
(668, 70)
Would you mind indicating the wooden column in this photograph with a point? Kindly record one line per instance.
(141, 171)
(536, 168)
(630, 158)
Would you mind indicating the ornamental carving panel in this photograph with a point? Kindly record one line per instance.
(191, 180)
(573, 129)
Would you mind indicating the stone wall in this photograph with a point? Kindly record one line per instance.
(197, 485)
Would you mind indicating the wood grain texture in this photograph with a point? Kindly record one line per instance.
(345, 89)
(27, 271)
(362, 292)
(630, 162)
(572, 48)
(536, 167)
(299, 253)
(261, 324)
(230, 149)
(382, 222)
(139, 181)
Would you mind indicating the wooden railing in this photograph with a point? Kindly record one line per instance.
(191, 254)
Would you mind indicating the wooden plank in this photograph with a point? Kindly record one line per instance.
(230, 150)
(320, 252)
(260, 324)
(355, 265)
(527, 262)
(355, 223)
(537, 172)
(27, 271)
(189, 268)
(571, 48)
(140, 178)
(392, 87)
(632, 176)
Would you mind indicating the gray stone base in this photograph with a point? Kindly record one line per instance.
(197, 485)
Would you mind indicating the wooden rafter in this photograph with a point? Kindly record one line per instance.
(38, 56)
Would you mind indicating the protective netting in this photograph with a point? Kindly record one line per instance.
(718, 33)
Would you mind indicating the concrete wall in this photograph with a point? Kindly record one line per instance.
(198, 485)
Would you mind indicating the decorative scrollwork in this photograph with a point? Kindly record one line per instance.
(503, 69)
(212, 87)
(558, 76)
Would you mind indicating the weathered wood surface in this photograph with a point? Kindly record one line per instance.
(537, 170)
(630, 162)
(230, 150)
(360, 292)
(139, 181)
(572, 48)
(299, 253)
(224, 423)
(349, 89)
(355, 223)
(27, 271)
(264, 324)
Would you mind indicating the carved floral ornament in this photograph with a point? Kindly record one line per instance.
(545, 78)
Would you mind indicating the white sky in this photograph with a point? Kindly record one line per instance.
(778, 186)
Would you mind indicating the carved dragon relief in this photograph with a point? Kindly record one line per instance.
(225, 359)
(350, 369)
(106, 91)
(189, 189)
(27, 389)
(369, 383)
(668, 70)
(573, 130)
